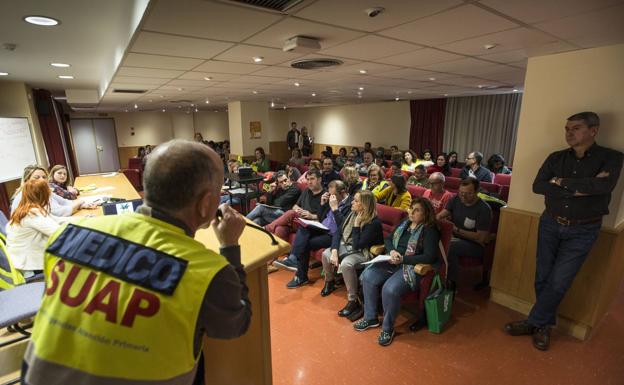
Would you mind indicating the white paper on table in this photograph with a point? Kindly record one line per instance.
(96, 199)
(240, 190)
(102, 189)
(109, 175)
(379, 258)
(316, 224)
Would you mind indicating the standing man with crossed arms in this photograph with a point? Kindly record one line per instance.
(576, 183)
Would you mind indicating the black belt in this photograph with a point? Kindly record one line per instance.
(563, 221)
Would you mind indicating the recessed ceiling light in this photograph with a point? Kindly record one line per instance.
(432, 79)
(41, 20)
(258, 59)
(297, 84)
(179, 106)
(207, 78)
(480, 86)
(515, 90)
(284, 107)
(216, 110)
(272, 104)
(409, 92)
(136, 106)
(196, 109)
(150, 100)
(65, 77)
(313, 94)
(60, 65)
(163, 110)
(254, 92)
(397, 98)
(162, 96)
(207, 101)
(445, 94)
(363, 72)
(192, 104)
(4, 74)
(359, 93)
(180, 89)
(489, 46)
(361, 88)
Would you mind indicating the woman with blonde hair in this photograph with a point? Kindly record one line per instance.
(60, 184)
(357, 232)
(59, 206)
(351, 178)
(30, 226)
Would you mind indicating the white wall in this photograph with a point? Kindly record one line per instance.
(556, 87)
(240, 115)
(382, 124)
(212, 125)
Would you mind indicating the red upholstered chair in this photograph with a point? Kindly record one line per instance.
(455, 172)
(134, 176)
(490, 187)
(467, 261)
(135, 163)
(503, 179)
(504, 193)
(416, 191)
(452, 184)
(390, 217)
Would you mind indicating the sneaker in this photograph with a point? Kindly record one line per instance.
(363, 324)
(296, 282)
(286, 263)
(385, 338)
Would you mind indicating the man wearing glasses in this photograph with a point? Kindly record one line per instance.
(437, 195)
(471, 219)
(473, 168)
(576, 183)
(281, 197)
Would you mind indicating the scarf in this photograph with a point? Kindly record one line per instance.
(412, 244)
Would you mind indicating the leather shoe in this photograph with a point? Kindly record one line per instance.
(348, 309)
(356, 314)
(541, 338)
(329, 288)
(519, 328)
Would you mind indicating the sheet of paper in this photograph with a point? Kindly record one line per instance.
(96, 199)
(240, 190)
(89, 187)
(379, 258)
(316, 224)
(102, 189)
(109, 175)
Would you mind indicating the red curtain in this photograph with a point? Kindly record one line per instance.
(50, 129)
(5, 207)
(427, 126)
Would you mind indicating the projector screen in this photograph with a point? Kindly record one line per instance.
(16, 148)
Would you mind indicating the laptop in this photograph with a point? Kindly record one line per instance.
(122, 207)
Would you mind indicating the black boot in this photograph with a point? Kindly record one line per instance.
(348, 309)
(329, 288)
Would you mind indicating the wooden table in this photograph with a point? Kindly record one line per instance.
(244, 360)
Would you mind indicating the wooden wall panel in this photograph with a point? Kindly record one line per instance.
(126, 153)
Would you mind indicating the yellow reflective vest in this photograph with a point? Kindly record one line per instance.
(122, 300)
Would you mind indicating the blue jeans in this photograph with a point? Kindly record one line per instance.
(561, 251)
(308, 239)
(227, 198)
(388, 278)
(263, 215)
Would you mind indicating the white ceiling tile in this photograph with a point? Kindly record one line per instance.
(228, 67)
(370, 68)
(179, 90)
(207, 19)
(369, 48)
(163, 44)
(281, 72)
(592, 29)
(456, 24)
(534, 11)
(413, 74)
(139, 80)
(162, 62)
(215, 77)
(467, 66)
(504, 40)
(132, 86)
(188, 83)
(350, 13)
(244, 53)
(148, 72)
(277, 34)
(253, 79)
(420, 57)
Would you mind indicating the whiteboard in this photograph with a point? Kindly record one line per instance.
(16, 148)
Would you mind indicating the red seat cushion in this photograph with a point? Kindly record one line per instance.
(416, 191)
(503, 179)
(390, 217)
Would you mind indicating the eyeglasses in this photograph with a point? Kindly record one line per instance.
(469, 158)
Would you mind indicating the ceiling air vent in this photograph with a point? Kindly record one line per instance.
(179, 101)
(311, 64)
(273, 5)
(124, 91)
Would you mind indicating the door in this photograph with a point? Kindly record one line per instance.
(95, 143)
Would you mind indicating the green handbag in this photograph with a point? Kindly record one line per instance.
(438, 305)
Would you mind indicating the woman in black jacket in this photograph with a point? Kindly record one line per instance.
(413, 242)
(358, 231)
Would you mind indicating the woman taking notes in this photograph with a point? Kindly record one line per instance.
(30, 226)
(413, 242)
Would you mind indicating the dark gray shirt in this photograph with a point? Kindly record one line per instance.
(481, 174)
(470, 218)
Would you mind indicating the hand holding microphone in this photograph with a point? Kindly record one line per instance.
(228, 225)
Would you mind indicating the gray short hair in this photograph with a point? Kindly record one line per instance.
(591, 119)
(176, 173)
(438, 175)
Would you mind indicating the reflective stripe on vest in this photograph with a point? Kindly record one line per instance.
(124, 293)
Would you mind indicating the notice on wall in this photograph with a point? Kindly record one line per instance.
(16, 148)
(255, 130)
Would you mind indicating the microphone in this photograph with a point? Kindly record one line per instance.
(253, 226)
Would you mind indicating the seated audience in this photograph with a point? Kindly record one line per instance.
(59, 183)
(314, 165)
(394, 148)
(293, 173)
(437, 195)
(30, 226)
(420, 177)
(380, 153)
(198, 137)
(308, 206)
(473, 168)
(471, 219)
(341, 159)
(141, 152)
(375, 181)
(328, 174)
(381, 163)
(297, 158)
(414, 241)
(496, 164)
(312, 238)
(305, 142)
(282, 195)
(261, 163)
(351, 178)
(356, 153)
(59, 206)
(232, 168)
(409, 161)
(395, 169)
(452, 160)
(356, 233)
(367, 161)
(441, 165)
(397, 195)
(427, 159)
(368, 147)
